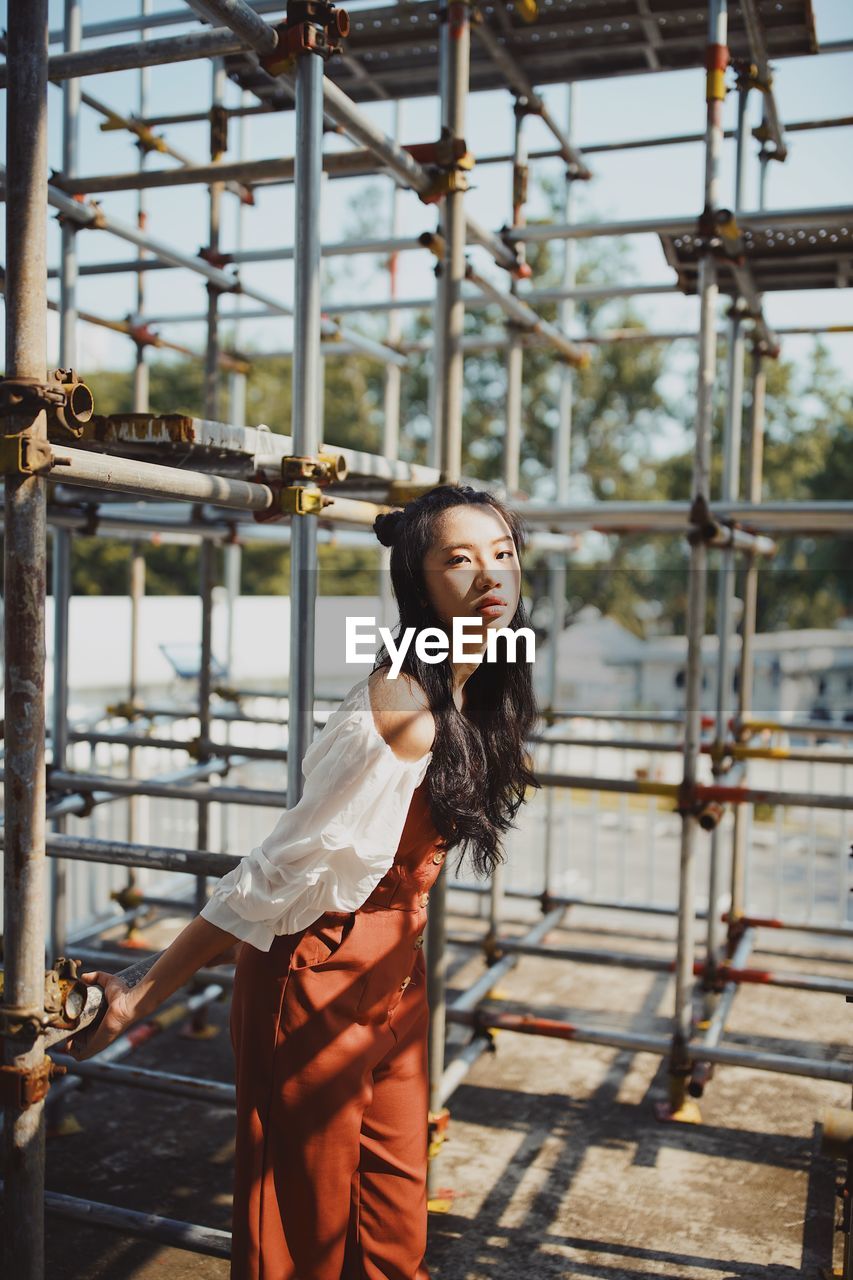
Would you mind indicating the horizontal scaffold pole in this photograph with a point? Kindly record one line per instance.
(834, 216)
(149, 1226)
(523, 315)
(148, 53)
(155, 857)
(86, 784)
(700, 793)
(662, 517)
(244, 22)
(337, 164)
(89, 215)
(637, 1042)
(149, 479)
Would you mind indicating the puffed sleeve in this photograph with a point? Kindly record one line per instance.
(333, 847)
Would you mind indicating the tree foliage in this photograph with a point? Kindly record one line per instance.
(623, 423)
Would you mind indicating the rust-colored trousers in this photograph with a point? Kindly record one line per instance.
(329, 1030)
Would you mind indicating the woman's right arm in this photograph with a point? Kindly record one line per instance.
(145, 986)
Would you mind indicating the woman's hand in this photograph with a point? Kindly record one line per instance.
(138, 991)
(118, 1016)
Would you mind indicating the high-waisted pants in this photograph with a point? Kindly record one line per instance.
(329, 1030)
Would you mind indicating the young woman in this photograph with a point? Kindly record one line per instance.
(329, 1013)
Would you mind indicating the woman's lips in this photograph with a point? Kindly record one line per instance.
(491, 610)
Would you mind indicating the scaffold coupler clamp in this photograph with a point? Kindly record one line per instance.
(687, 802)
(703, 527)
(67, 401)
(22, 1087)
(70, 1005)
(492, 950)
(437, 1122)
(748, 77)
(311, 26)
(449, 162)
(547, 902)
(736, 927)
(290, 498)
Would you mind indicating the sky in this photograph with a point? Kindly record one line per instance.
(659, 182)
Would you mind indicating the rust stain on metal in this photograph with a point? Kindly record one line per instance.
(145, 428)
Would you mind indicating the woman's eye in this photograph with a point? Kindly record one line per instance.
(455, 558)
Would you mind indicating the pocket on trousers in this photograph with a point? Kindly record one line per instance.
(321, 943)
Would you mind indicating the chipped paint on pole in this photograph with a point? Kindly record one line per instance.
(25, 555)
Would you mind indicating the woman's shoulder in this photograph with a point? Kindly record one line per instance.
(401, 713)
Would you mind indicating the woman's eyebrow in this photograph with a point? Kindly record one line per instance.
(468, 547)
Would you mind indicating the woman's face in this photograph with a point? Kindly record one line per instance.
(473, 557)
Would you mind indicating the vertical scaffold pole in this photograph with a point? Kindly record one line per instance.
(237, 377)
(447, 427)
(393, 378)
(136, 584)
(218, 125)
(206, 549)
(512, 441)
(305, 423)
(730, 491)
(141, 403)
(515, 350)
(61, 591)
(746, 670)
(24, 590)
(207, 554)
(141, 378)
(455, 56)
(562, 455)
(61, 568)
(746, 681)
(680, 1065)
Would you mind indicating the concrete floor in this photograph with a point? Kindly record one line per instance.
(554, 1165)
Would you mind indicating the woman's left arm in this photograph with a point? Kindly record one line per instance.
(140, 990)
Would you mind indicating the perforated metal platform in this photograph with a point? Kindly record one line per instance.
(778, 258)
(392, 52)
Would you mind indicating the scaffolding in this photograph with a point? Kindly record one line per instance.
(65, 467)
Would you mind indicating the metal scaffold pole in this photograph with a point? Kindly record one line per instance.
(730, 492)
(392, 399)
(306, 427)
(141, 378)
(207, 554)
(218, 127)
(512, 436)
(61, 566)
(24, 588)
(136, 585)
(455, 53)
(743, 815)
(680, 1065)
(562, 462)
(746, 681)
(515, 350)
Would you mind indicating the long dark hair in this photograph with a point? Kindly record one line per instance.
(480, 768)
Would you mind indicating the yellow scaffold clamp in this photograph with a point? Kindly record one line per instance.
(24, 455)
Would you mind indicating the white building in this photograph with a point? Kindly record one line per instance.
(799, 675)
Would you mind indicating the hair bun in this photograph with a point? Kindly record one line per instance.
(386, 526)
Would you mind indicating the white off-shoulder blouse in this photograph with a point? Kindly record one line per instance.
(333, 847)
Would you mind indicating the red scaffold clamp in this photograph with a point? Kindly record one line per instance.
(312, 26)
